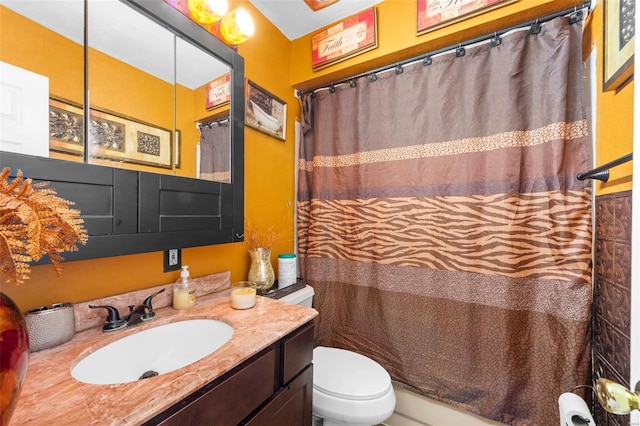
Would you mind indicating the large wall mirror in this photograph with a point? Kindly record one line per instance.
(131, 91)
(147, 89)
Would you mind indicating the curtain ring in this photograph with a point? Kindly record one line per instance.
(535, 27)
(373, 77)
(496, 40)
(399, 69)
(352, 83)
(460, 51)
(427, 60)
(332, 88)
(576, 16)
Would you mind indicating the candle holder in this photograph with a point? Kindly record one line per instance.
(243, 295)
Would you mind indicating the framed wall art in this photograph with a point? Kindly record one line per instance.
(319, 4)
(619, 42)
(350, 37)
(265, 112)
(434, 14)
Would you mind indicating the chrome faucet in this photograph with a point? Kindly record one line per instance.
(137, 314)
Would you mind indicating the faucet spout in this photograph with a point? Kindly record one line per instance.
(142, 313)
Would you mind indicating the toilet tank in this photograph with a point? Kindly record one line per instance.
(303, 297)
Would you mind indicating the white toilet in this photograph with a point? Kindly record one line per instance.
(348, 388)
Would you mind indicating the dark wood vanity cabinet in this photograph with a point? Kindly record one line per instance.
(273, 388)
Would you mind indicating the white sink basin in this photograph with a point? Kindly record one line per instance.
(156, 350)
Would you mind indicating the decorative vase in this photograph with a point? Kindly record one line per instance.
(261, 271)
(14, 356)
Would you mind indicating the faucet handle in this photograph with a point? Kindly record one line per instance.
(147, 301)
(113, 322)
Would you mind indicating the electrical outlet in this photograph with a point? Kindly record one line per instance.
(172, 260)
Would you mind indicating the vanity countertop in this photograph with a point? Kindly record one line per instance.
(51, 396)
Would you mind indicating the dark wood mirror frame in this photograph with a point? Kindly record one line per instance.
(128, 212)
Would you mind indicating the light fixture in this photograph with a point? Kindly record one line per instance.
(233, 28)
(237, 26)
(207, 11)
(615, 398)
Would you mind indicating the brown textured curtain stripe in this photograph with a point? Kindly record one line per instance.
(443, 229)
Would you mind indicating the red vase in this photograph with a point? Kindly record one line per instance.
(14, 356)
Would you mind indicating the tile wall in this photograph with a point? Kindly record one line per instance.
(612, 296)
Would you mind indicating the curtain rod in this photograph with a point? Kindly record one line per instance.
(575, 15)
(210, 123)
(602, 172)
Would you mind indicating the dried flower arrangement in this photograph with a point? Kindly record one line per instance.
(34, 222)
(254, 239)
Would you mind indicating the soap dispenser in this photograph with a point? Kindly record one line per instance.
(184, 294)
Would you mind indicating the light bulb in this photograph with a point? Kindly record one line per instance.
(207, 11)
(237, 26)
(615, 398)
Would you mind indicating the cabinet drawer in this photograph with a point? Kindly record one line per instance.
(229, 401)
(297, 352)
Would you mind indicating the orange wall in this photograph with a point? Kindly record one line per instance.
(397, 39)
(614, 124)
(278, 65)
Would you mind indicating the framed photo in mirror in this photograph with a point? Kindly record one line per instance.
(111, 136)
(218, 91)
(66, 127)
(265, 112)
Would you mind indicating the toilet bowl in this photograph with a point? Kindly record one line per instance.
(348, 388)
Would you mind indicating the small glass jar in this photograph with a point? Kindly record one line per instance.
(243, 295)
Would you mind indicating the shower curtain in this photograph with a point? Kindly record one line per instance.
(215, 151)
(443, 229)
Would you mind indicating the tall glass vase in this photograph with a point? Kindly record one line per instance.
(14, 356)
(261, 271)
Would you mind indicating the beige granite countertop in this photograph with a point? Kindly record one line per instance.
(51, 396)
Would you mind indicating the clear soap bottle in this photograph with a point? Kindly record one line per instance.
(184, 294)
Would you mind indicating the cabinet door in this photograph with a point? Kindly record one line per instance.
(127, 211)
(106, 197)
(292, 406)
(228, 402)
(297, 352)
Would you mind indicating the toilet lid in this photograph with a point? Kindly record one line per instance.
(348, 375)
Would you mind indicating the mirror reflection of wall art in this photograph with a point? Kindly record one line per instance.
(66, 123)
(265, 112)
(111, 137)
(434, 14)
(218, 91)
(619, 42)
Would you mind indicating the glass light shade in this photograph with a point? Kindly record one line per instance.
(237, 26)
(207, 11)
(615, 398)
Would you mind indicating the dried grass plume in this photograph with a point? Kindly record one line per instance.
(254, 238)
(34, 222)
